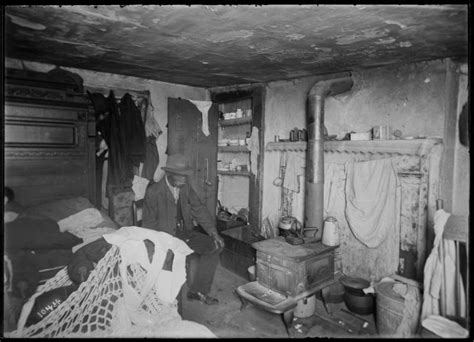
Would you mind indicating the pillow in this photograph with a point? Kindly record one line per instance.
(87, 218)
(60, 209)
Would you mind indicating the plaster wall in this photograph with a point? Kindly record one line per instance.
(461, 170)
(159, 93)
(410, 98)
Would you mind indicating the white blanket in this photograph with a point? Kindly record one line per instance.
(373, 196)
(433, 277)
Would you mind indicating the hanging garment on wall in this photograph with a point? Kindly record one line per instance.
(433, 273)
(152, 159)
(152, 128)
(294, 167)
(372, 208)
(119, 171)
(203, 107)
(132, 130)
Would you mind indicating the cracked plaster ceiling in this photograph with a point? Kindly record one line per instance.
(209, 46)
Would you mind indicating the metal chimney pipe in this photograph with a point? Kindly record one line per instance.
(314, 193)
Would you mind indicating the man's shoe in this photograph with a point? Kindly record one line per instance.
(202, 298)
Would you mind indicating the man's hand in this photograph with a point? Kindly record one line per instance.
(218, 240)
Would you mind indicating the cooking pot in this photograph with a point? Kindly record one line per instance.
(356, 300)
(290, 226)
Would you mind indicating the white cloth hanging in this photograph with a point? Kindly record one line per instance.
(139, 186)
(203, 107)
(372, 196)
(433, 273)
(294, 167)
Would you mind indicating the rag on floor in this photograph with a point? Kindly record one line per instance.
(372, 200)
(444, 327)
(433, 278)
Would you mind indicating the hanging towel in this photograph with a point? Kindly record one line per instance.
(433, 273)
(203, 107)
(294, 168)
(372, 208)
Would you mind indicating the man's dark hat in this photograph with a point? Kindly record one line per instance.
(177, 164)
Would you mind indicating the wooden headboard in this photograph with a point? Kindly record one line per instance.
(49, 137)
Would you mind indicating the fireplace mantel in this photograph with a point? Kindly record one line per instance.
(417, 164)
(417, 147)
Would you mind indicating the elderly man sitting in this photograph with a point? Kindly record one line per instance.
(171, 205)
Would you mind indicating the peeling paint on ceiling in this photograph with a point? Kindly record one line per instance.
(209, 46)
(26, 23)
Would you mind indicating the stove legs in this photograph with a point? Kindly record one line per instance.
(287, 316)
(288, 320)
(245, 303)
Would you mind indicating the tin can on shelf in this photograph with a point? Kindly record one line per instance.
(381, 132)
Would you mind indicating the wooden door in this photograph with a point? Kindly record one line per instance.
(186, 136)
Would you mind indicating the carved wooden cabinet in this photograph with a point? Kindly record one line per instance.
(48, 128)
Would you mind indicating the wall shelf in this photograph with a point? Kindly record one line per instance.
(233, 149)
(399, 146)
(234, 173)
(236, 122)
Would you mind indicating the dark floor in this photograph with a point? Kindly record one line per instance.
(227, 321)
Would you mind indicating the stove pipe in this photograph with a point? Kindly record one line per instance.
(314, 196)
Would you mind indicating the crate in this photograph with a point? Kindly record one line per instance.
(291, 270)
(227, 224)
(238, 254)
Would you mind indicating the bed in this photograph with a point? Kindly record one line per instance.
(50, 166)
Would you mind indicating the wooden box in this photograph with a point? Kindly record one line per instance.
(238, 254)
(227, 224)
(291, 270)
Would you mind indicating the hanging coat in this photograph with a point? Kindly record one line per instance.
(132, 131)
(152, 159)
(120, 171)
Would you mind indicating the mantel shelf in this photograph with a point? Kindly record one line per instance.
(234, 173)
(234, 149)
(400, 146)
(235, 122)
